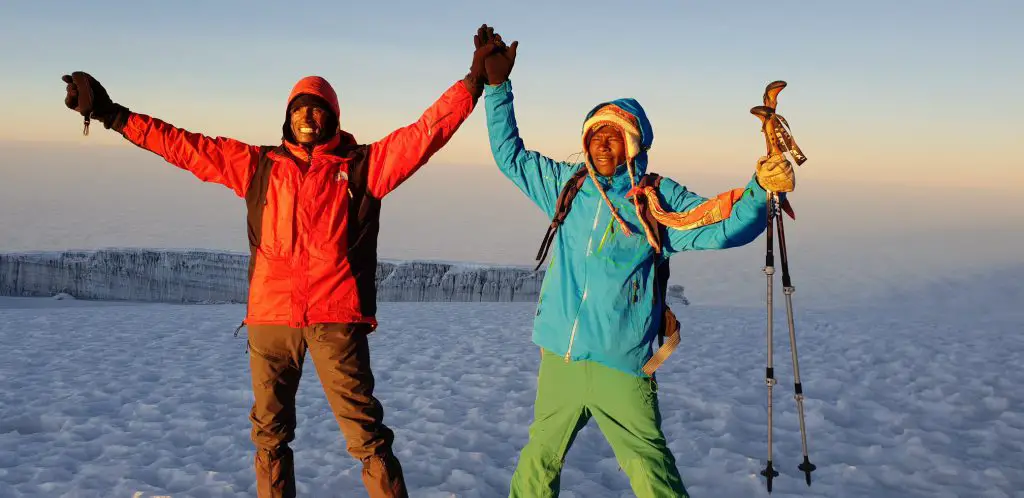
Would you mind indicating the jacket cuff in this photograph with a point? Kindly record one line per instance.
(474, 85)
(760, 191)
(501, 88)
(118, 119)
(755, 186)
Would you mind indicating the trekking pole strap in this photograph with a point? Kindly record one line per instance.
(671, 343)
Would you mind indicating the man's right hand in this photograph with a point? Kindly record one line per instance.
(87, 96)
(499, 64)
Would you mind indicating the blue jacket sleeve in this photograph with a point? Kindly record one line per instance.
(744, 224)
(539, 177)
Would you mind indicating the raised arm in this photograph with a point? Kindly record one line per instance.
(745, 221)
(537, 176)
(218, 160)
(394, 158)
(736, 217)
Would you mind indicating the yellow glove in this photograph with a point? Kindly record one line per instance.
(775, 174)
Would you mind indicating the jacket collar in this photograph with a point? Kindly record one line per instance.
(303, 153)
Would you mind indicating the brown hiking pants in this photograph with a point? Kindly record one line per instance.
(341, 356)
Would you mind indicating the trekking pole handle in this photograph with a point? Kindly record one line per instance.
(771, 93)
(766, 113)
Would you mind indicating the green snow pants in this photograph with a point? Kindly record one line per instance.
(626, 409)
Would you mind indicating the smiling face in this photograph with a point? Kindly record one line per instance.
(308, 123)
(607, 149)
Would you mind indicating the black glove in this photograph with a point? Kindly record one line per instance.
(483, 46)
(499, 64)
(87, 96)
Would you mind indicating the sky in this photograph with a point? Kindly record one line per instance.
(907, 111)
(921, 86)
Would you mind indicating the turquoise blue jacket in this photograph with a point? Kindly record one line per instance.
(598, 299)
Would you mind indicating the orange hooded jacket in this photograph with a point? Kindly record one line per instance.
(313, 238)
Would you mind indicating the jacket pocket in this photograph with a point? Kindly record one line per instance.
(329, 217)
(278, 229)
(640, 309)
(634, 300)
(647, 388)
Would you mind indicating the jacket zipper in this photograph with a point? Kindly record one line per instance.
(544, 284)
(586, 282)
(431, 126)
(295, 219)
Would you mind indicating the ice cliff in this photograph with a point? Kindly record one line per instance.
(204, 276)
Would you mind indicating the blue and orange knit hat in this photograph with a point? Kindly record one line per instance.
(613, 115)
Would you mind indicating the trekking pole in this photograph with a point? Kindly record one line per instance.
(765, 113)
(779, 129)
(787, 288)
(777, 137)
(769, 373)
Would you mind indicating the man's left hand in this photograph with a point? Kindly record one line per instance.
(484, 45)
(775, 174)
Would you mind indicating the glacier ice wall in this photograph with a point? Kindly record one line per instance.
(205, 276)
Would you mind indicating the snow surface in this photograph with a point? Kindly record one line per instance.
(205, 276)
(918, 395)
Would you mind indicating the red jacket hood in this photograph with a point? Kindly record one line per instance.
(315, 85)
(318, 86)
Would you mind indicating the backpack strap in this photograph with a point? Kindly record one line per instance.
(255, 201)
(562, 207)
(668, 332)
(669, 337)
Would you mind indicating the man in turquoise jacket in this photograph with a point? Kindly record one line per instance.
(599, 311)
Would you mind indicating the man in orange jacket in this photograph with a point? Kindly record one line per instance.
(313, 216)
